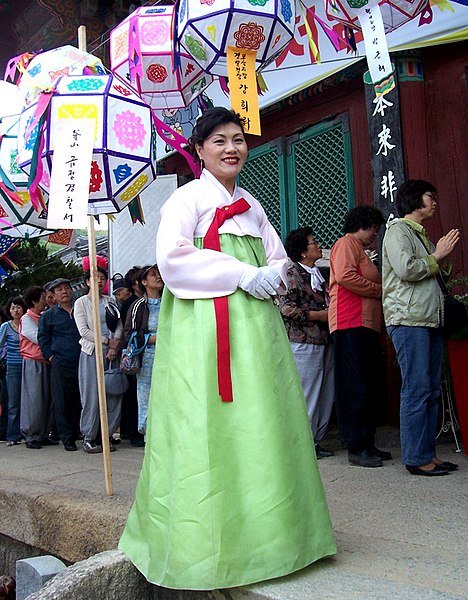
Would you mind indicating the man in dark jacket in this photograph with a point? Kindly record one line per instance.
(59, 340)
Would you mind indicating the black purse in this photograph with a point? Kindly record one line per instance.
(455, 313)
(112, 317)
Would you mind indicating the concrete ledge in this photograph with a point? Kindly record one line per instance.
(111, 576)
(68, 525)
(106, 576)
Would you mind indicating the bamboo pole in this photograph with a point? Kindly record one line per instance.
(97, 328)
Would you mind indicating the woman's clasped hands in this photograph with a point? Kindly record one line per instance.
(260, 282)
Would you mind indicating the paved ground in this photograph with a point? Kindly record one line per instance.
(399, 536)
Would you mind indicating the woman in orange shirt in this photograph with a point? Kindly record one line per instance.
(355, 319)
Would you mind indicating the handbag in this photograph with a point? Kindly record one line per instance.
(112, 317)
(455, 313)
(130, 361)
(115, 381)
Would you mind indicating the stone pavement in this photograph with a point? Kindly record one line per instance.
(399, 536)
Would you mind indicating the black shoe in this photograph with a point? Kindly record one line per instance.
(435, 472)
(70, 446)
(48, 442)
(137, 442)
(90, 447)
(115, 441)
(382, 454)
(447, 466)
(33, 445)
(323, 452)
(364, 458)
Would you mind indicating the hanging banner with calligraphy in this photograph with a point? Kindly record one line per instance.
(71, 171)
(388, 172)
(378, 57)
(243, 87)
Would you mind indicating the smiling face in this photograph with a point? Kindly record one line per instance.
(224, 153)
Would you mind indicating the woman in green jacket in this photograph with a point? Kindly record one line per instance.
(413, 312)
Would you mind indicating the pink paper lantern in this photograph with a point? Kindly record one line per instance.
(141, 54)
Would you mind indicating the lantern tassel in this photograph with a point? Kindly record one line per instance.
(37, 169)
(176, 141)
(136, 210)
(312, 33)
(223, 84)
(337, 42)
(134, 51)
(11, 194)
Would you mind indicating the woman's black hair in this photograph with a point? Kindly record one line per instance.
(87, 274)
(207, 123)
(15, 300)
(410, 195)
(296, 242)
(362, 217)
(143, 275)
(33, 294)
(131, 277)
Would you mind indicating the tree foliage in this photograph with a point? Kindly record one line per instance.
(35, 267)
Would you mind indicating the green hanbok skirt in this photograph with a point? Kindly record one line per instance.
(229, 493)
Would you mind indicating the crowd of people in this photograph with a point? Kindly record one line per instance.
(255, 345)
(48, 376)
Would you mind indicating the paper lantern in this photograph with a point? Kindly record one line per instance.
(45, 68)
(394, 12)
(24, 221)
(141, 54)
(124, 154)
(205, 29)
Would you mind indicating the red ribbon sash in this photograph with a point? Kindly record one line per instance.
(211, 242)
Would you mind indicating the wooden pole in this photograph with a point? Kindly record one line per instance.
(97, 329)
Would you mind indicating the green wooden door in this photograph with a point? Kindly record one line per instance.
(305, 179)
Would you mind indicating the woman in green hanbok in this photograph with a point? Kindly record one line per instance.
(229, 493)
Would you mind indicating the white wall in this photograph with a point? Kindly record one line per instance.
(131, 244)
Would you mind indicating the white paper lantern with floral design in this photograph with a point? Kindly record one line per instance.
(47, 67)
(394, 12)
(145, 37)
(205, 29)
(124, 155)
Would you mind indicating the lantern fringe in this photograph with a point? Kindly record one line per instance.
(18, 64)
(136, 210)
(37, 169)
(311, 30)
(176, 141)
(443, 5)
(12, 195)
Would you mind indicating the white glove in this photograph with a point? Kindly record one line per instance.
(260, 282)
